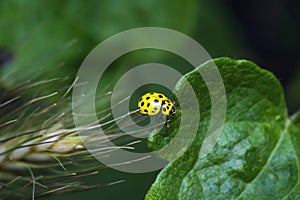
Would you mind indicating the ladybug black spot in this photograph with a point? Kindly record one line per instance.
(168, 101)
(142, 104)
(155, 101)
(169, 104)
(148, 104)
(164, 109)
(168, 107)
(147, 98)
(153, 111)
(160, 96)
(141, 99)
(146, 110)
(151, 92)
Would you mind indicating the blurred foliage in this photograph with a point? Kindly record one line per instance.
(53, 32)
(43, 35)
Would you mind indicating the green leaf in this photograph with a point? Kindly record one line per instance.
(294, 130)
(257, 153)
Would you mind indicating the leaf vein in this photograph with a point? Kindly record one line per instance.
(265, 165)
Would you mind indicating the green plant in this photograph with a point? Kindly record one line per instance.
(41, 153)
(257, 155)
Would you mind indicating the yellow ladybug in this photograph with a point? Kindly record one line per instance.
(153, 103)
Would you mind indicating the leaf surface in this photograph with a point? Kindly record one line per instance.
(257, 153)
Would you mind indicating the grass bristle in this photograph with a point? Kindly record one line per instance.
(40, 151)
